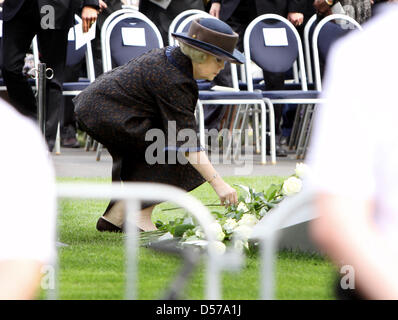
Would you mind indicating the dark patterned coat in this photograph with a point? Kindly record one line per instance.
(147, 93)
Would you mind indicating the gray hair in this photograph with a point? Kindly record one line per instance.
(194, 54)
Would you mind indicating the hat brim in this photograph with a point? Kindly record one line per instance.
(235, 57)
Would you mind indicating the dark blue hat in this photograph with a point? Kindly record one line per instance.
(212, 36)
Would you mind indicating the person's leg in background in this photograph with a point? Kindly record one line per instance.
(52, 48)
(67, 117)
(17, 38)
(288, 115)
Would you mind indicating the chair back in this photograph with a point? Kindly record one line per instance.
(177, 21)
(308, 33)
(326, 33)
(128, 36)
(1, 38)
(75, 56)
(186, 23)
(106, 23)
(274, 44)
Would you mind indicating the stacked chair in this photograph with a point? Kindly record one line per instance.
(228, 97)
(318, 39)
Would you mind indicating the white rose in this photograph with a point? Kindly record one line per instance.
(248, 197)
(302, 170)
(217, 229)
(219, 247)
(248, 219)
(291, 186)
(243, 232)
(200, 234)
(229, 225)
(242, 206)
(240, 244)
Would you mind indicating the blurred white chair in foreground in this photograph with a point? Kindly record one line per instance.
(134, 193)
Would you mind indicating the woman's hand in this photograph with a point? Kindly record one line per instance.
(201, 163)
(225, 192)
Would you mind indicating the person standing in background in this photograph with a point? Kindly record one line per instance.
(50, 21)
(162, 17)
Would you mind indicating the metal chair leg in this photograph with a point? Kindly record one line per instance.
(256, 128)
(308, 135)
(303, 132)
(295, 128)
(88, 143)
(99, 151)
(235, 123)
(58, 140)
(238, 143)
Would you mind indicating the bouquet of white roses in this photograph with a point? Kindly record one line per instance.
(234, 226)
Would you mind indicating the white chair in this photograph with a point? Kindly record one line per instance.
(291, 211)
(174, 25)
(134, 193)
(318, 39)
(327, 33)
(277, 57)
(228, 97)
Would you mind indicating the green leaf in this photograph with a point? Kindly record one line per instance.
(180, 229)
(272, 191)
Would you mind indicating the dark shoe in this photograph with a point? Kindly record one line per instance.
(104, 225)
(70, 143)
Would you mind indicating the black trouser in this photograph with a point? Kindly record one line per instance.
(17, 37)
(67, 110)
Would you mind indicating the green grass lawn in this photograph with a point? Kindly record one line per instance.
(92, 266)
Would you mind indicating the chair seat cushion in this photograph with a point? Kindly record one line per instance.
(204, 85)
(261, 86)
(75, 86)
(224, 95)
(291, 94)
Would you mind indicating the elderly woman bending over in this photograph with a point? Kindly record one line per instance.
(158, 91)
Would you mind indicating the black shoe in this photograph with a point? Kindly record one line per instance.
(50, 145)
(104, 225)
(70, 143)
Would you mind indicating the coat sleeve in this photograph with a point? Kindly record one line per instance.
(177, 109)
(297, 6)
(91, 3)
